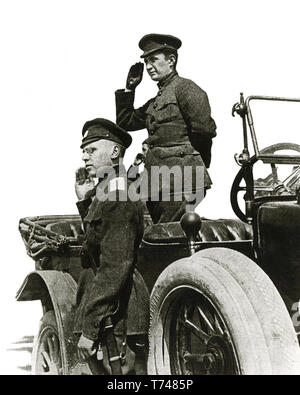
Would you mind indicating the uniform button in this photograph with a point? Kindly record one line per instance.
(181, 154)
(154, 105)
(151, 132)
(159, 93)
(154, 125)
(151, 146)
(94, 335)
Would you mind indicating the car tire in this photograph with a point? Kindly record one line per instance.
(217, 312)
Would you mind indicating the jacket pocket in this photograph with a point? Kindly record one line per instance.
(167, 112)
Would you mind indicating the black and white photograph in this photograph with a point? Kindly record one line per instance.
(150, 189)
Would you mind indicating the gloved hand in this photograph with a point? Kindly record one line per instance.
(135, 76)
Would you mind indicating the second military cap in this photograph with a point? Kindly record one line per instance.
(101, 128)
(154, 42)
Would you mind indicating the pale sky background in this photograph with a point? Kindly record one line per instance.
(62, 60)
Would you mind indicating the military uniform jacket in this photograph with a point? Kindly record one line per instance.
(110, 284)
(177, 119)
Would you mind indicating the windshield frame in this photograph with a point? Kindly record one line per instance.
(284, 159)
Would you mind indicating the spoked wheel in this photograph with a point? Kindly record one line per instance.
(46, 356)
(199, 338)
(216, 313)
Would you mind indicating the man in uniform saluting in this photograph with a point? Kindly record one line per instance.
(178, 121)
(112, 298)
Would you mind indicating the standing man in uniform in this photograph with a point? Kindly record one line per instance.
(178, 121)
(112, 298)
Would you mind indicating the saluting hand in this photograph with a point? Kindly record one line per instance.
(140, 158)
(135, 76)
(85, 348)
(83, 183)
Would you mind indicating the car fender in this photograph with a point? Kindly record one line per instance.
(56, 291)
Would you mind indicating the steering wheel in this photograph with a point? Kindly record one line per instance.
(236, 185)
(279, 147)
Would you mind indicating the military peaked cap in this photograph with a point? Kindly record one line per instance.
(154, 42)
(101, 128)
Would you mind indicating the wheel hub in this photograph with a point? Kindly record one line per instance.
(213, 361)
(202, 344)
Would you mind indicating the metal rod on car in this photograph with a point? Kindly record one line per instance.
(241, 109)
(41, 228)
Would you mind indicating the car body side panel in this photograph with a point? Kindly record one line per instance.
(278, 245)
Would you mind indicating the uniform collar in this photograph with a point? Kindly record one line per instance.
(166, 80)
(115, 180)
